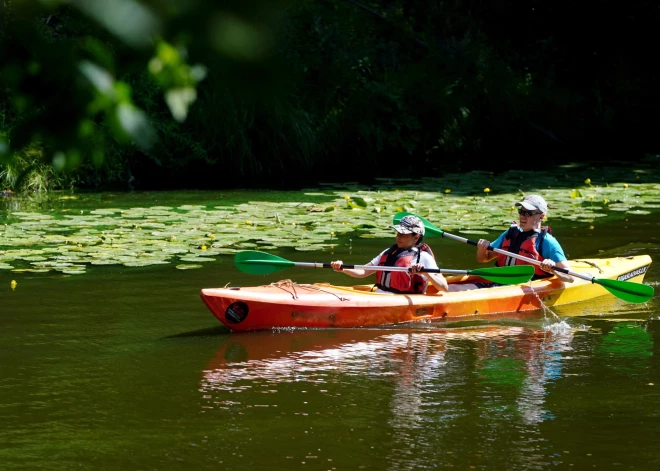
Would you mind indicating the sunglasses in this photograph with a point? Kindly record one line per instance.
(528, 213)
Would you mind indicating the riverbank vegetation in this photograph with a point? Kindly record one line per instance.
(168, 95)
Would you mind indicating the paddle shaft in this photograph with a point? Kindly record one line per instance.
(380, 268)
(262, 263)
(519, 257)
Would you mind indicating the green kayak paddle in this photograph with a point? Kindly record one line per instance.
(262, 263)
(626, 290)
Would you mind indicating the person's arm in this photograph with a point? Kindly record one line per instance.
(555, 252)
(483, 254)
(354, 272)
(436, 279)
(548, 264)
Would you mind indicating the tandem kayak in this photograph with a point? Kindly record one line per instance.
(286, 304)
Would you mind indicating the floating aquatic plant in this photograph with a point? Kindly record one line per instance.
(71, 234)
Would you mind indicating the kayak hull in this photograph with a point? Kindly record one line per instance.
(321, 305)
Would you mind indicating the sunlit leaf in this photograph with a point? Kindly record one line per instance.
(179, 101)
(99, 77)
(129, 20)
(135, 123)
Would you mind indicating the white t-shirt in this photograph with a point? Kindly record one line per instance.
(425, 259)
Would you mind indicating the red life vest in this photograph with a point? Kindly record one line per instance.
(399, 281)
(524, 243)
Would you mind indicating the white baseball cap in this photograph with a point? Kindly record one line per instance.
(533, 202)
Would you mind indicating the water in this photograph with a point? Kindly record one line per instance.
(125, 368)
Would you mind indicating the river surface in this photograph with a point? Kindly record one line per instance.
(124, 368)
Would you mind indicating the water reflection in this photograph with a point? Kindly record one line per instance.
(451, 396)
(426, 368)
(630, 342)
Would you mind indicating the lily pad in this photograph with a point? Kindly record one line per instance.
(196, 259)
(144, 263)
(85, 233)
(188, 266)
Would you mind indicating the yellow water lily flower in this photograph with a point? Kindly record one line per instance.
(587, 181)
(13, 284)
(447, 191)
(203, 247)
(486, 190)
(625, 185)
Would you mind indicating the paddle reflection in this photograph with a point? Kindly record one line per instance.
(630, 342)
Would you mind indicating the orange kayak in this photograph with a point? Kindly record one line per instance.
(286, 304)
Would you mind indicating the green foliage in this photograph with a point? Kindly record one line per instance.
(27, 172)
(175, 94)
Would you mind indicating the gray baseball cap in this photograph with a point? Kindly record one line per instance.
(409, 225)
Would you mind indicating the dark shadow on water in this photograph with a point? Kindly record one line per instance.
(207, 332)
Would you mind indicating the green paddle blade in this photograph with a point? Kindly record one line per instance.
(429, 229)
(626, 290)
(260, 263)
(510, 275)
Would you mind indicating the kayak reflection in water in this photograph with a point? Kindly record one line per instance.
(408, 251)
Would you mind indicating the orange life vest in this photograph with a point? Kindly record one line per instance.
(399, 281)
(524, 243)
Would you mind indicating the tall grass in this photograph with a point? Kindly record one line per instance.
(27, 171)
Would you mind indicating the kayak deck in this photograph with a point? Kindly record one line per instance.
(286, 304)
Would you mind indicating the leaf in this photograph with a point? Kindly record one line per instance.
(134, 122)
(99, 77)
(179, 101)
(4, 151)
(129, 20)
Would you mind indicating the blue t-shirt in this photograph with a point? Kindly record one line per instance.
(551, 248)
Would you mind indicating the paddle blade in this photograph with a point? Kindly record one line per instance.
(628, 291)
(260, 263)
(509, 275)
(429, 229)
